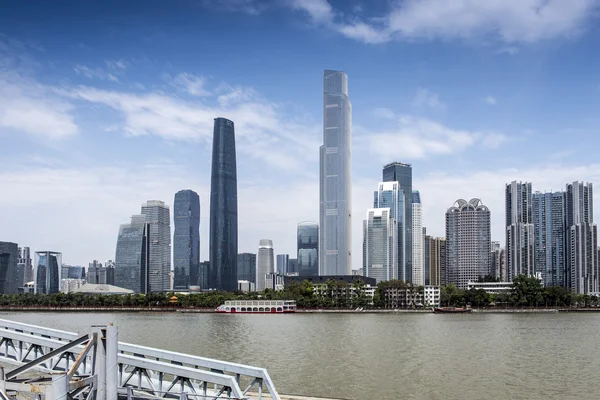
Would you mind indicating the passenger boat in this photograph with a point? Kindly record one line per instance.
(466, 309)
(257, 307)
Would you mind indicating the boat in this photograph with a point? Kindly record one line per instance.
(466, 309)
(257, 307)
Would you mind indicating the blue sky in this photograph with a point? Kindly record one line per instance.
(106, 104)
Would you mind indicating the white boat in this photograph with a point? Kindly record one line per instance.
(257, 307)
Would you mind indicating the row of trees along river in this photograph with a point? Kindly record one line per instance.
(525, 292)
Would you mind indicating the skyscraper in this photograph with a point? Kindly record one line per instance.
(379, 245)
(282, 263)
(308, 249)
(389, 195)
(223, 209)
(133, 255)
(335, 181)
(519, 230)
(265, 263)
(418, 269)
(246, 267)
(468, 242)
(47, 272)
(26, 266)
(498, 261)
(9, 259)
(436, 247)
(582, 239)
(550, 235)
(159, 221)
(402, 173)
(186, 239)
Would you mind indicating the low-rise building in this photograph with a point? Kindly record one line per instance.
(491, 287)
(71, 285)
(398, 294)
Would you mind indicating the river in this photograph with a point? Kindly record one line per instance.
(380, 356)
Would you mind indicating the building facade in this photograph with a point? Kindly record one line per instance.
(519, 230)
(265, 263)
(308, 249)
(335, 180)
(223, 246)
(498, 267)
(293, 266)
(282, 263)
(9, 260)
(47, 273)
(550, 235)
(159, 267)
(468, 242)
(132, 255)
(203, 273)
(418, 247)
(246, 267)
(436, 260)
(25, 266)
(402, 173)
(186, 239)
(99, 274)
(380, 245)
(582, 239)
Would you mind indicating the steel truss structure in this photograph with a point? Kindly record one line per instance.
(95, 366)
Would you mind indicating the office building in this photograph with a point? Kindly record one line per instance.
(519, 230)
(335, 181)
(380, 245)
(468, 242)
(274, 281)
(582, 239)
(223, 240)
(550, 235)
(186, 239)
(389, 195)
(402, 173)
(159, 267)
(133, 255)
(435, 256)
(246, 286)
(246, 267)
(418, 256)
(72, 272)
(47, 273)
(308, 249)
(25, 266)
(101, 275)
(9, 259)
(293, 266)
(498, 260)
(282, 262)
(203, 273)
(265, 264)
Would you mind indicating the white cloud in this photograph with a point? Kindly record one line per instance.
(510, 50)
(509, 21)
(426, 98)
(251, 7)
(491, 100)
(116, 64)
(192, 84)
(94, 73)
(418, 138)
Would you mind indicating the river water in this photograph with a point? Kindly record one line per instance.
(381, 356)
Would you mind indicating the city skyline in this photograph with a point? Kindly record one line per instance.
(116, 118)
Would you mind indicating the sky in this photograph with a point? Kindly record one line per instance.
(107, 104)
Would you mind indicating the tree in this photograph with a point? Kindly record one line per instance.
(527, 290)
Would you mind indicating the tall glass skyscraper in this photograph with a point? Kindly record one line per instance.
(133, 255)
(379, 245)
(47, 272)
(282, 261)
(519, 230)
(418, 269)
(246, 267)
(265, 263)
(223, 209)
(9, 259)
(550, 253)
(158, 219)
(335, 181)
(402, 173)
(186, 239)
(308, 249)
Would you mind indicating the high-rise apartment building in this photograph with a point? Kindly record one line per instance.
(9, 259)
(468, 242)
(223, 240)
(47, 273)
(282, 262)
(436, 260)
(380, 245)
(519, 230)
(498, 266)
(550, 235)
(389, 195)
(186, 239)
(159, 268)
(265, 263)
(582, 239)
(308, 249)
(246, 267)
(402, 173)
(133, 255)
(418, 266)
(335, 181)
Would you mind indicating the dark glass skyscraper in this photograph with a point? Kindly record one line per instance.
(47, 272)
(186, 239)
(133, 255)
(223, 209)
(308, 249)
(9, 257)
(246, 267)
(402, 173)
